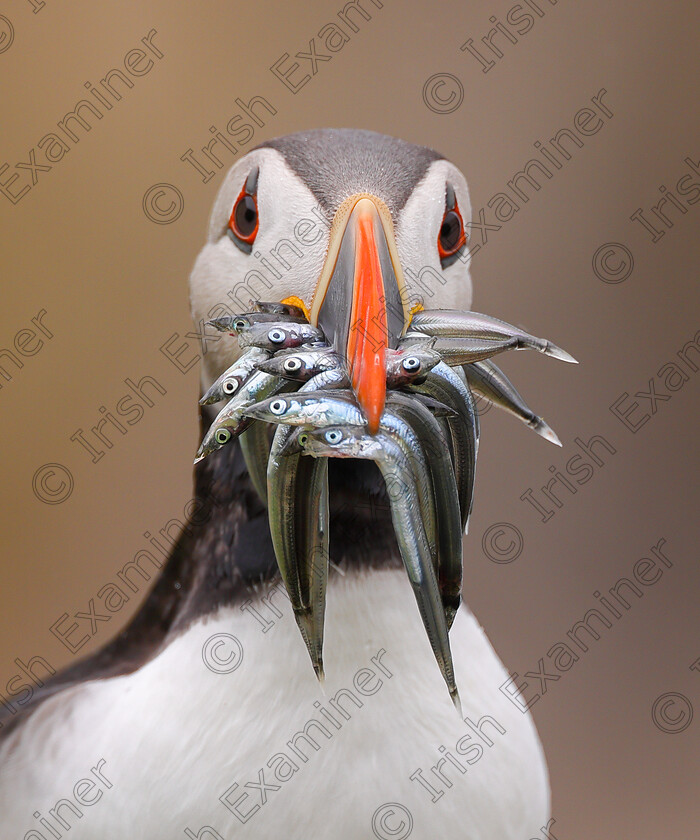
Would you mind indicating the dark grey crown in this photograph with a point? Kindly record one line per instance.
(338, 162)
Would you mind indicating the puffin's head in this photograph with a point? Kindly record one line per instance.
(357, 228)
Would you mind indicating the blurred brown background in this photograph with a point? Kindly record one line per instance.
(80, 245)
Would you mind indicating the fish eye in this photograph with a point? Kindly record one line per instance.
(276, 336)
(333, 436)
(411, 364)
(240, 324)
(278, 406)
(292, 365)
(303, 437)
(222, 436)
(230, 386)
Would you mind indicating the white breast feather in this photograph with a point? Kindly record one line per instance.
(175, 736)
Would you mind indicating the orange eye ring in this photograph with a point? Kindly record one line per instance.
(451, 236)
(244, 221)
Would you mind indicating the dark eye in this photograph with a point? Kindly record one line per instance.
(292, 365)
(230, 386)
(276, 336)
(303, 437)
(333, 436)
(222, 436)
(240, 324)
(451, 237)
(243, 222)
(411, 364)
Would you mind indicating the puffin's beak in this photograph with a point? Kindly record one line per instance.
(360, 299)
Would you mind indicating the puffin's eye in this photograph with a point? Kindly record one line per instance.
(222, 436)
(243, 222)
(411, 364)
(278, 407)
(244, 218)
(451, 237)
(292, 365)
(240, 324)
(276, 336)
(333, 436)
(230, 386)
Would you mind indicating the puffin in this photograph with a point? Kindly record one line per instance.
(203, 718)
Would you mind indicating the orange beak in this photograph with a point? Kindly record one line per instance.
(359, 301)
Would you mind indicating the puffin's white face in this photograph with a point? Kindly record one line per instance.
(288, 253)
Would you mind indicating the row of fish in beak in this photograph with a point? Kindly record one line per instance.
(426, 446)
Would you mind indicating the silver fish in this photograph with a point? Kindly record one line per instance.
(303, 363)
(489, 380)
(401, 431)
(233, 378)
(255, 446)
(282, 472)
(236, 324)
(444, 385)
(450, 323)
(436, 408)
(318, 408)
(348, 442)
(409, 365)
(449, 526)
(231, 421)
(326, 379)
(280, 336)
(315, 558)
(459, 351)
(299, 530)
